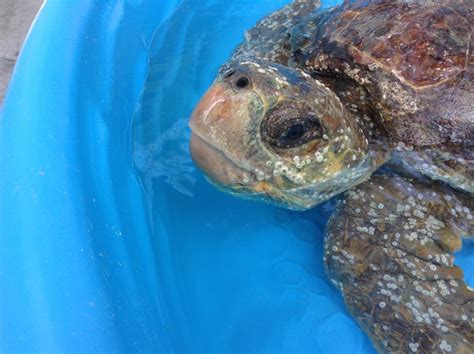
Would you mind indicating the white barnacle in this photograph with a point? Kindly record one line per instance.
(298, 179)
(445, 346)
(318, 156)
(413, 346)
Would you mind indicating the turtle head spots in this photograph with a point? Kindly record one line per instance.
(268, 131)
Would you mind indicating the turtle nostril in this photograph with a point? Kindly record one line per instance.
(242, 82)
(238, 79)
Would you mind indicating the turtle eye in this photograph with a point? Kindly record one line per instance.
(296, 132)
(290, 125)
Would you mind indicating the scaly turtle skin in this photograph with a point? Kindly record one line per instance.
(375, 99)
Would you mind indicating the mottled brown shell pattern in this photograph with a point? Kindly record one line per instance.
(414, 58)
(421, 45)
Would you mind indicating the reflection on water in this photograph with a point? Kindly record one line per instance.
(167, 157)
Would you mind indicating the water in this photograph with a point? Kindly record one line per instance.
(111, 239)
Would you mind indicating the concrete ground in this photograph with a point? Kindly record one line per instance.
(15, 20)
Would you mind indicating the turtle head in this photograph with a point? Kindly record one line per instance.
(271, 132)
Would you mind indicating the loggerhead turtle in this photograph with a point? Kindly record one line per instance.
(375, 99)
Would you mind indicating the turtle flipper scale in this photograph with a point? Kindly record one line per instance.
(389, 249)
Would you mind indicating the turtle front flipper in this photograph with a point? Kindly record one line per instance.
(389, 249)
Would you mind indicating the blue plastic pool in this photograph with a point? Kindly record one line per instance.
(110, 239)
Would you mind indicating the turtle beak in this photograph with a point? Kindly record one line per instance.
(212, 134)
(212, 107)
(221, 170)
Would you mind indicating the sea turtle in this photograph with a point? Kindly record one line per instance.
(374, 99)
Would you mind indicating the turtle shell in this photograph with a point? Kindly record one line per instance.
(421, 45)
(414, 58)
